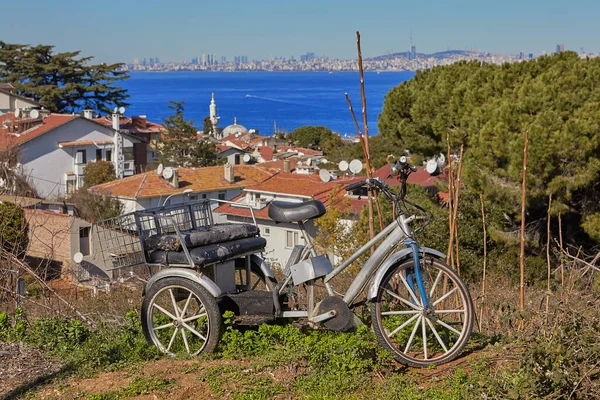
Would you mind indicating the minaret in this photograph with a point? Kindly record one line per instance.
(213, 114)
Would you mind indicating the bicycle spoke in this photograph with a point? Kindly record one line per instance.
(412, 293)
(187, 303)
(168, 314)
(412, 335)
(172, 339)
(435, 283)
(408, 303)
(408, 312)
(444, 296)
(436, 334)
(189, 328)
(187, 347)
(411, 319)
(256, 284)
(445, 325)
(424, 337)
(163, 326)
(449, 311)
(194, 317)
(175, 307)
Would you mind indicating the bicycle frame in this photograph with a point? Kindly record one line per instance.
(398, 232)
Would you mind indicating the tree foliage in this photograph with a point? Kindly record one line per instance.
(93, 207)
(180, 146)
(13, 229)
(310, 136)
(98, 172)
(489, 107)
(61, 82)
(207, 127)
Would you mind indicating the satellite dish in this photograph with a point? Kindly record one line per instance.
(115, 110)
(356, 166)
(159, 170)
(78, 257)
(246, 158)
(18, 112)
(324, 175)
(122, 110)
(441, 161)
(343, 165)
(168, 173)
(308, 161)
(432, 166)
(34, 114)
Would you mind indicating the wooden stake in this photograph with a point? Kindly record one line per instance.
(454, 235)
(548, 255)
(449, 258)
(522, 254)
(483, 299)
(367, 160)
(560, 241)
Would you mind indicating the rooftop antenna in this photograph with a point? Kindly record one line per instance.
(159, 170)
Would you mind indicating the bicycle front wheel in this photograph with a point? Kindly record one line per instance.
(417, 335)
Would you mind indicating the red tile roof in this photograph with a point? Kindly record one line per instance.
(132, 125)
(278, 164)
(266, 152)
(305, 151)
(52, 121)
(204, 179)
(84, 143)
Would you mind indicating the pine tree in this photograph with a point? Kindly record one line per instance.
(61, 82)
(180, 146)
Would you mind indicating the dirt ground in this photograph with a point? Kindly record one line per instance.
(21, 367)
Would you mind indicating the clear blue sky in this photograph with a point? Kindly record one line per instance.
(177, 30)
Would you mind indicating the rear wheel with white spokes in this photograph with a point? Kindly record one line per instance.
(418, 335)
(181, 316)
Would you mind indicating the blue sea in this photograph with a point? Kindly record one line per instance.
(258, 99)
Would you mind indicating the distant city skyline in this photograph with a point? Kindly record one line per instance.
(264, 29)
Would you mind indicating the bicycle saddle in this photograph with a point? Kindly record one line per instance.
(283, 211)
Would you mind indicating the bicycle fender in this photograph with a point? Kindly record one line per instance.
(391, 261)
(263, 266)
(190, 274)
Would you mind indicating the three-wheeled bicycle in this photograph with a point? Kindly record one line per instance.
(420, 308)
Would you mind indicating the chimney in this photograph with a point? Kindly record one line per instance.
(229, 175)
(139, 122)
(115, 122)
(175, 179)
(286, 165)
(88, 114)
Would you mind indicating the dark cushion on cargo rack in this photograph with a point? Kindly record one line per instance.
(210, 254)
(201, 236)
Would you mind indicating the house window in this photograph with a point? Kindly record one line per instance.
(128, 153)
(291, 239)
(266, 231)
(194, 198)
(108, 155)
(84, 241)
(70, 186)
(80, 182)
(203, 195)
(80, 157)
(98, 154)
(222, 195)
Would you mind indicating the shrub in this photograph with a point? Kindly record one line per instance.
(13, 229)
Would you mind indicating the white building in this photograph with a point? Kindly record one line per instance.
(281, 237)
(10, 102)
(54, 149)
(150, 189)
